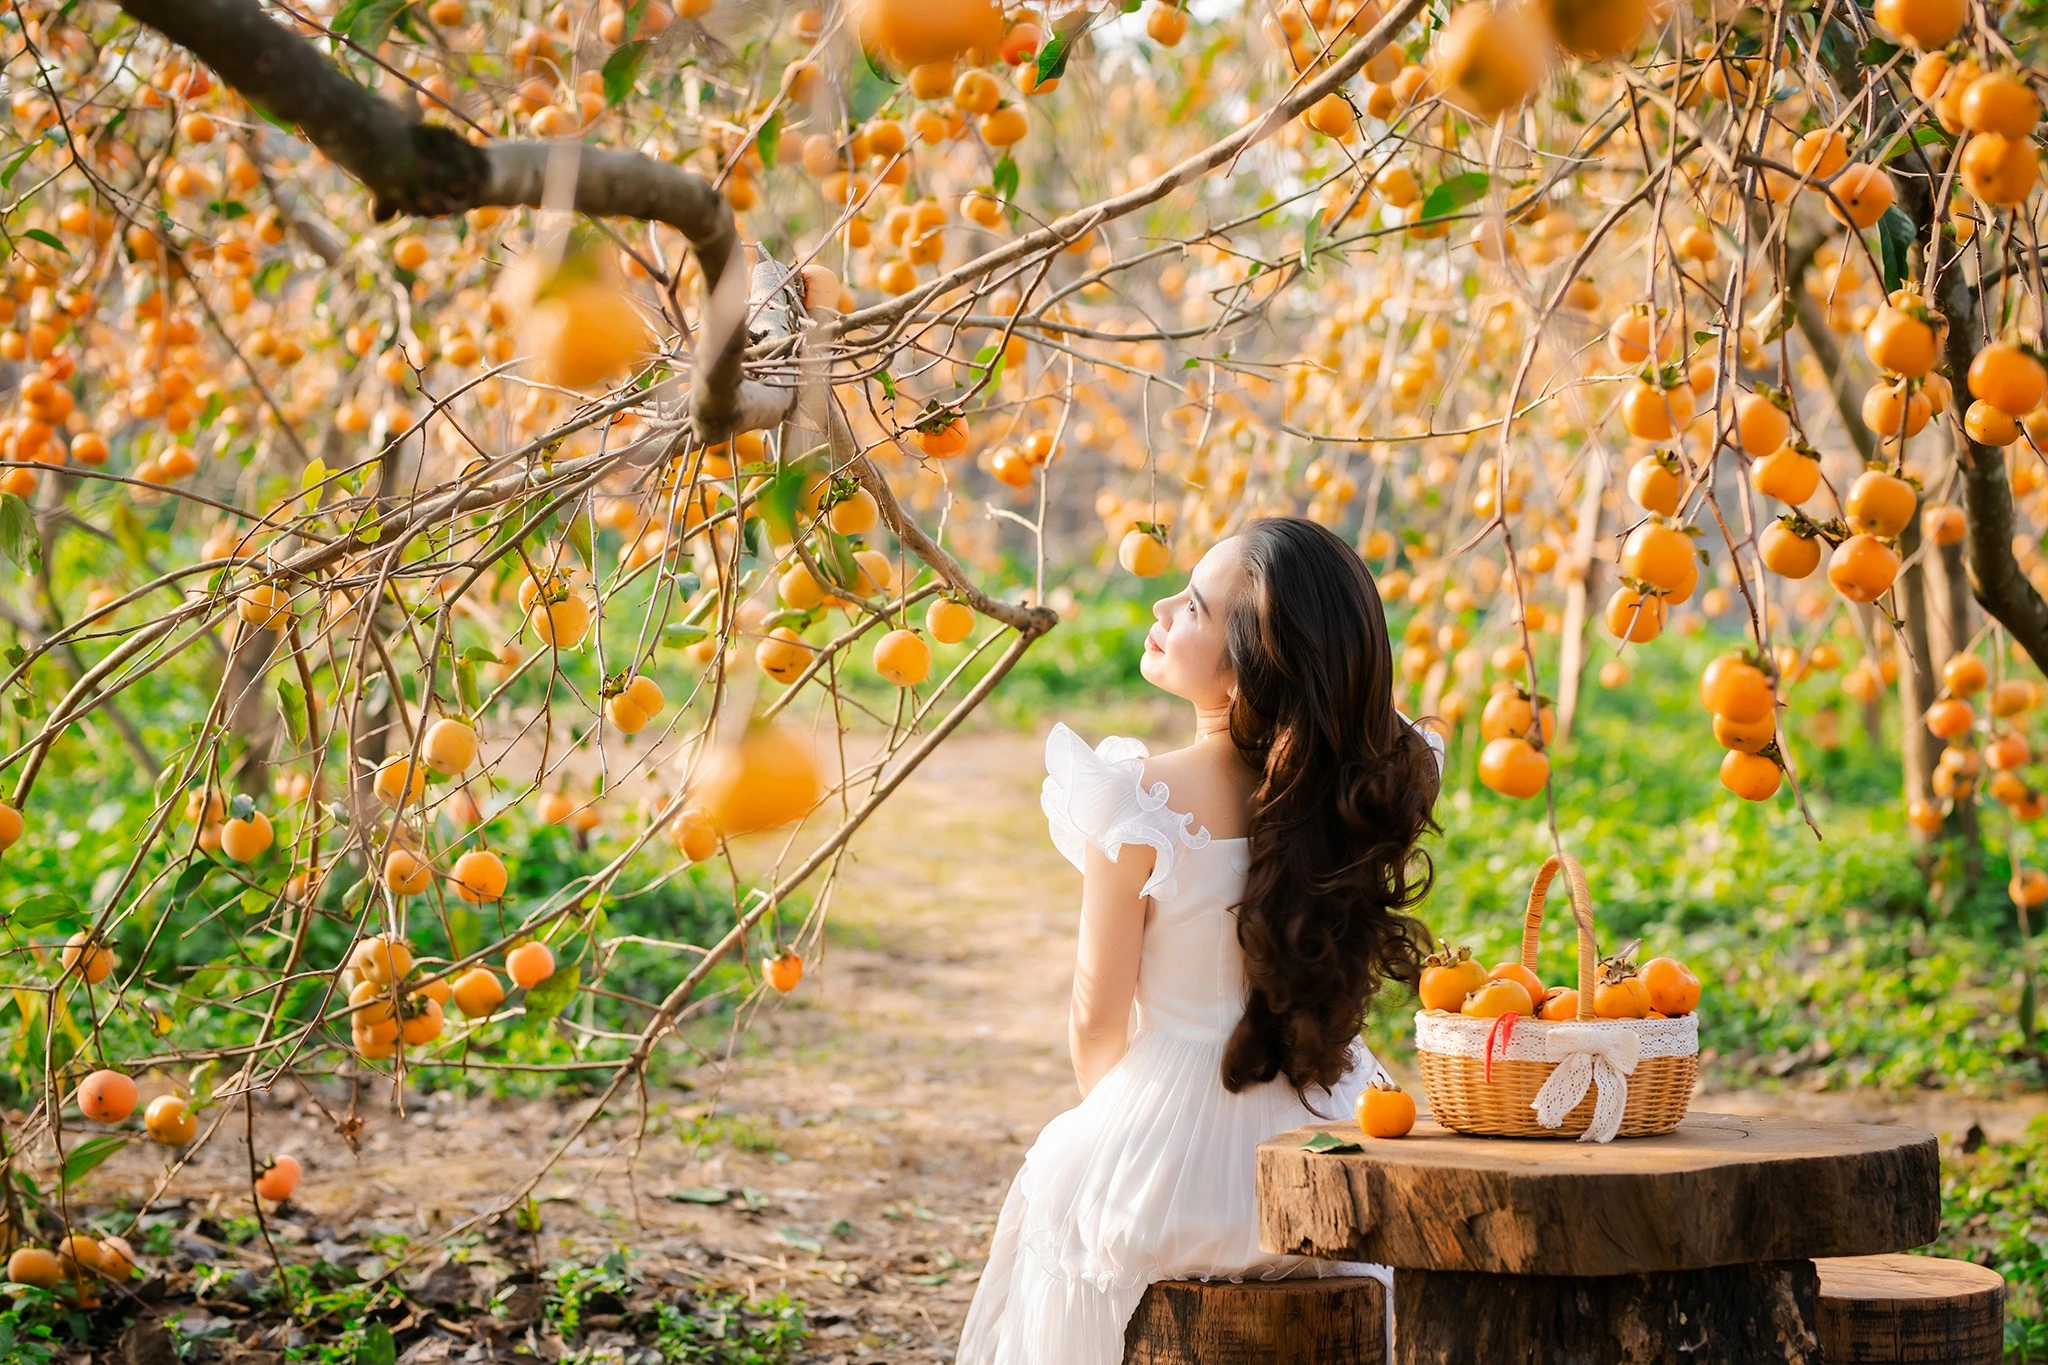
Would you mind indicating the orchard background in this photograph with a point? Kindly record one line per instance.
(540, 539)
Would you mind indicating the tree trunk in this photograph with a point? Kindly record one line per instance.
(1949, 617)
(1338, 1320)
(1734, 1315)
(1917, 685)
(1572, 659)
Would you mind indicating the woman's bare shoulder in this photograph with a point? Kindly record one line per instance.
(1205, 781)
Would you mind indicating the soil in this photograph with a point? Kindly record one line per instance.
(858, 1145)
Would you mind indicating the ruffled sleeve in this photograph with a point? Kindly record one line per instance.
(1435, 741)
(1097, 796)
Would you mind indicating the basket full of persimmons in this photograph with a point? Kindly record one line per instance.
(1501, 1056)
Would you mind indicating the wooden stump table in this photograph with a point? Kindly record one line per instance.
(1695, 1246)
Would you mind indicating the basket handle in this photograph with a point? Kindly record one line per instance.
(1582, 911)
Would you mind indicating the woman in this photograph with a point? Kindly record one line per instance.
(1241, 904)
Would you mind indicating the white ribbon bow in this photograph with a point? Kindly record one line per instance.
(1586, 1056)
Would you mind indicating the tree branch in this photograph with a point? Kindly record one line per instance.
(429, 171)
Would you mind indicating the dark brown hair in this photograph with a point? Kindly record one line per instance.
(1348, 790)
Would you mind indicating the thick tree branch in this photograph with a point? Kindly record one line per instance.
(429, 171)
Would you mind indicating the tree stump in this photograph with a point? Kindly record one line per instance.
(1734, 1315)
(1337, 1320)
(1910, 1310)
(1722, 1190)
(1693, 1246)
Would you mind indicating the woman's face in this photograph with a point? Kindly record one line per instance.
(1185, 649)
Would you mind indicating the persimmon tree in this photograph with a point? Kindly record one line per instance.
(499, 407)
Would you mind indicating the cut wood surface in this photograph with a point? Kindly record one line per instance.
(1338, 1320)
(1917, 1309)
(1721, 1190)
(1734, 1315)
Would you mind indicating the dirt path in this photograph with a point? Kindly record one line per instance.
(860, 1145)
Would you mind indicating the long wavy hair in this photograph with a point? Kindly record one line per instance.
(1348, 790)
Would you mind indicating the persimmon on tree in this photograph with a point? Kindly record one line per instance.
(486, 403)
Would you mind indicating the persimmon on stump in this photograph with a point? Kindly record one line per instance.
(1697, 1245)
(1336, 1320)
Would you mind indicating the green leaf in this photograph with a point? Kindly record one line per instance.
(577, 533)
(1330, 1142)
(15, 163)
(676, 634)
(1004, 180)
(987, 361)
(779, 497)
(189, 881)
(377, 1346)
(553, 995)
(801, 1240)
(768, 138)
(291, 704)
(1052, 58)
(700, 1194)
(313, 483)
(18, 538)
(241, 806)
(130, 534)
(87, 1156)
(366, 22)
(478, 654)
(882, 377)
(47, 239)
(622, 68)
(1894, 240)
(40, 912)
(1454, 194)
(1922, 137)
(466, 689)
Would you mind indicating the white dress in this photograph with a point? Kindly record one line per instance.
(1150, 1177)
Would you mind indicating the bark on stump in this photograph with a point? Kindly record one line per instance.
(1911, 1310)
(1691, 1247)
(1733, 1315)
(1337, 1320)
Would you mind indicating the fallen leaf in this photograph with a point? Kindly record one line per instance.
(1330, 1142)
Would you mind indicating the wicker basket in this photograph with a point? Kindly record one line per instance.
(1483, 1075)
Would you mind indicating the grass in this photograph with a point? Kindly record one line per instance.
(345, 1321)
(1994, 1210)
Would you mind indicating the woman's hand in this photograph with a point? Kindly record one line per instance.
(1106, 961)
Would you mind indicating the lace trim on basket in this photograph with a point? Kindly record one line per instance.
(1454, 1035)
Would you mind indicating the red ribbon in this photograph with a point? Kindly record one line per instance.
(1504, 1029)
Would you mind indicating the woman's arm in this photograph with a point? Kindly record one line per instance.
(1106, 963)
